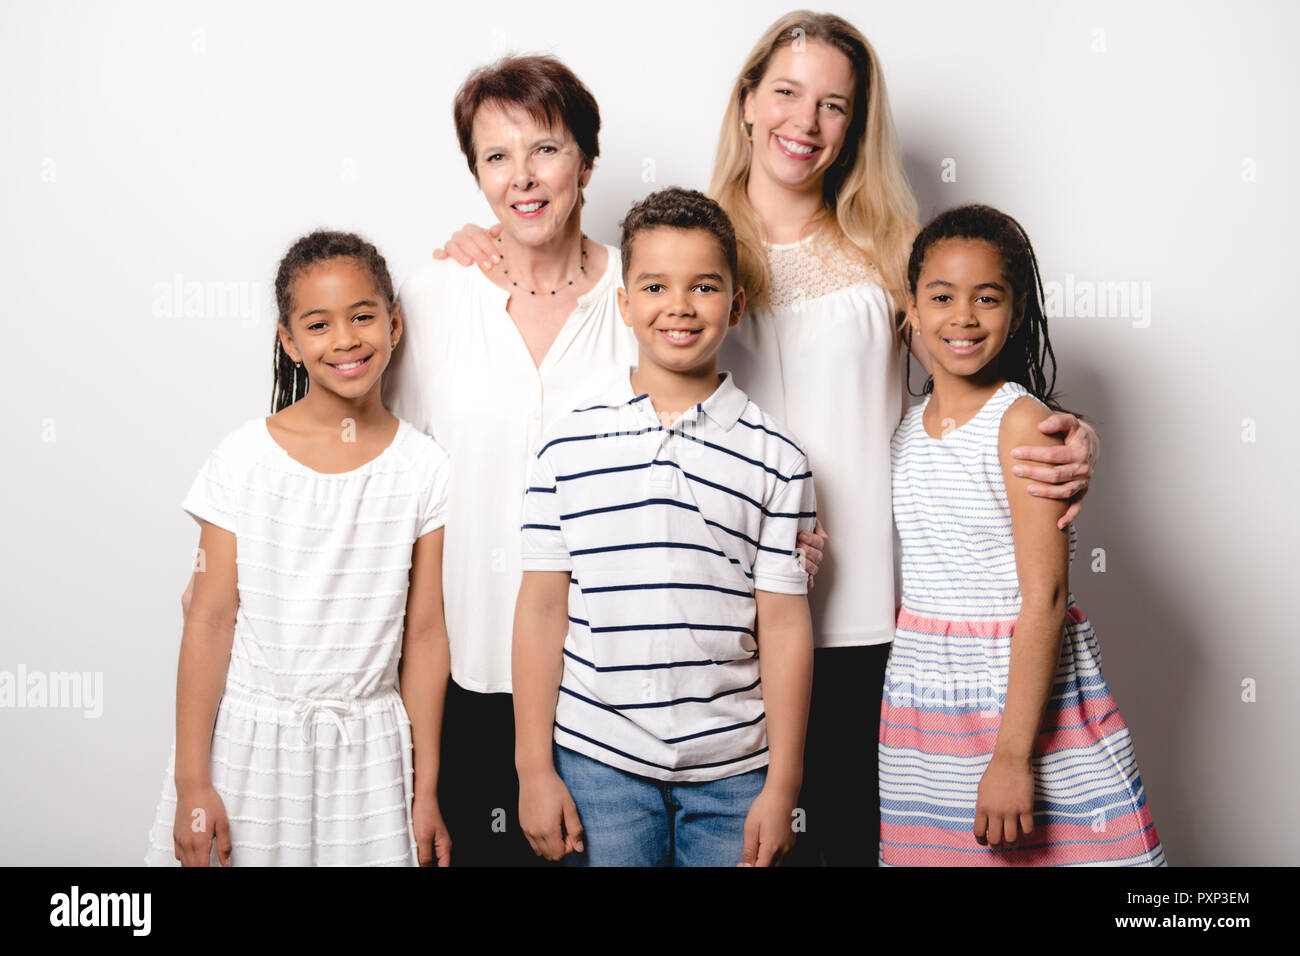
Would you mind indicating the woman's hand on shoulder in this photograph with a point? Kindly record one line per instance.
(472, 244)
(1021, 423)
(1066, 472)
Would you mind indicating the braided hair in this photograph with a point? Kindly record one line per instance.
(1028, 350)
(290, 382)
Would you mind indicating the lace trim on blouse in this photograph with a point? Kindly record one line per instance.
(812, 268)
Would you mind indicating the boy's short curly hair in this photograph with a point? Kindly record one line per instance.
(679, 208)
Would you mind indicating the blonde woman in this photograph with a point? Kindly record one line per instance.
(808, 169)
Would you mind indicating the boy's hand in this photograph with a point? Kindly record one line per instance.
(432, 841)
(769, 829)
(1004, 805)
(193, 832)
(548, 816)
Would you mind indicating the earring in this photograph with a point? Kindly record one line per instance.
(747, 131)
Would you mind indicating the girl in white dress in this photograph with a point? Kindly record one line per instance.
(318, 583)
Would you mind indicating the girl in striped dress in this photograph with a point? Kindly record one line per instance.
(320, 560)
(1000, 744)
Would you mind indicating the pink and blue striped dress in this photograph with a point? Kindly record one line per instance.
(946, 682)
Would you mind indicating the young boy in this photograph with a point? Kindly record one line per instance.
(659, 536)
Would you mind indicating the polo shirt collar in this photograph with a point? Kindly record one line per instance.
(724, 406)
(726, 403)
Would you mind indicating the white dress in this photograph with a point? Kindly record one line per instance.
(822, 359)
(311, 751)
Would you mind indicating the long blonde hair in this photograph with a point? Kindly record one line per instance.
(867, 203)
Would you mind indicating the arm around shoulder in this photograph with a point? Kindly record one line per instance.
(1042, 550)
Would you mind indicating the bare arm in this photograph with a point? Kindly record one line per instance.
(785, 664)
(1005, 804)
(425, 669)
(187, 597)
(201, 676)
(537, 668)
(1068, 472)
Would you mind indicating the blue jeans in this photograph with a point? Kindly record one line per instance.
(637, 821)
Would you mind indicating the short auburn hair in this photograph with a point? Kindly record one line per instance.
(678, 208)
(540, 86)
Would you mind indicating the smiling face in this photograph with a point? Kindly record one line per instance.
(340, 327)
(680, 297)
(531, 175)
(800, 113)
(964, 307)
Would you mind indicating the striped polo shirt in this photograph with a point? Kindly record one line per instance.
(667, 530)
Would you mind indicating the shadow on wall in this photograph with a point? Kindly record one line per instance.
(1149, 645)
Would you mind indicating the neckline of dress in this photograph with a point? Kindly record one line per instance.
(987, 402)
(583, 299)
(784, 246)
(284, 452)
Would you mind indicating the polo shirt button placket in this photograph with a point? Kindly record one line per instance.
(663, 476)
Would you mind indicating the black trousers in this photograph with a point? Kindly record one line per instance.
(841, 789)
(478, 790)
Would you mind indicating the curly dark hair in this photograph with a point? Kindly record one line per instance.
(290, 382)
(679, 209)
(1028, 350)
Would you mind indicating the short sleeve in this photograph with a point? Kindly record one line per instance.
(543, 541)
(792, 508)
(214, 496)
(433, 499)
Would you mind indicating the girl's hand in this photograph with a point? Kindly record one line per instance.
(1074, 462)
(811, 544)
(769, 830)
(432, 841)
(548, 816)
(472, 244)
(200, 818)
(1004, 805)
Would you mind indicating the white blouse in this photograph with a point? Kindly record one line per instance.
(463, 374)
(821, 358)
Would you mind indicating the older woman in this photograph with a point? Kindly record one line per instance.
(490, 360)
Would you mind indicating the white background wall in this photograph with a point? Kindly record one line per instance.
(146, 141)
